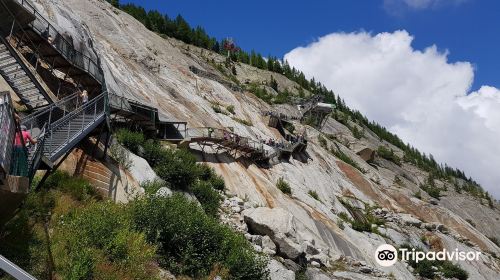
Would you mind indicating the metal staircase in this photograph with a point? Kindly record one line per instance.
(20, 79)
(61, 50)
(61, 126)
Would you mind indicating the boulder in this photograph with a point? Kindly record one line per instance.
(291, 265)
(236, 201)
(279, 225)
(366, 154)
(164, 192)
(257, 239)
(277, 271)
(320, 258)
(309, 248)
(315, 264)
(266, 242)
(409, 220)
(316, 274)
(270, 222)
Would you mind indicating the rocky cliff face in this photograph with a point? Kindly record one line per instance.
(297, 228)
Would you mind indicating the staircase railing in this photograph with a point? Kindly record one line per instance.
(120, 102)
(14, 270)
(49, 114)
(7, 126)
(224, 135)
(78, 59)
(69, 129)
(36, 54)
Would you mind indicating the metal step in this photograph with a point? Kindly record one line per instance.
(4, 56)
(25, 87)
(19, 80)
(8, 66)
(31, 92)
(11, 68)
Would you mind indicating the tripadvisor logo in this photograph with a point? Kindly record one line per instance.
(387, 255)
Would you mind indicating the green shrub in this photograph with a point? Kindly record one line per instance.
(261, 93)
(314, 195)
(230, 109)
(243, 122)
(388, 154)
(451, 270)
(361, 226)
(154, 153)
(193, 244)
(357, 133)
(79, 188)
(418, 195)
(344, 216)
(178, 168)
(121, 155)
(206, 173)
(347, 159)
(217, 108)
(283, 186)
(282, 97)
(207, 196)
(98, 239)
(131, 140)
(425, 269)
(433, 191)
(289, 126)
(151, 187)
(322, 142)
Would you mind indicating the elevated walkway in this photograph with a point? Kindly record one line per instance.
(15, 69)
(54, 49)
(221, 139)
(62, 125)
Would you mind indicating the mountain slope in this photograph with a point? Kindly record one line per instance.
(155, 70)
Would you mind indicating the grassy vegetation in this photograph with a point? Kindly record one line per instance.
(418, 195)
(283, 186)
(430, 188)
(243, 122)
(363, 220)
(194, 244)
(230, 109)
(131, 140)
(261, 93)
(388, 154)
(218, 109)
(179, 170)
(314, 195)
(425, 268)
(339, 154)
(92, 238)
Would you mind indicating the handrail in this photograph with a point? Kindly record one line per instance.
(80, 60)
(50, 107)
(7, 132)
(89, 113)
(19, 60)
(36, 155)
(49, 114)
(224, 135)
(71, 114)
(14, 270)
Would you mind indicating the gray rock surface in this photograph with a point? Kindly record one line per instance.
(278, 271)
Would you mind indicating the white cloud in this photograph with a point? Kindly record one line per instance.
(397, 7)
(417, 94)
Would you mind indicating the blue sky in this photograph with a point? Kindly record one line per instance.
(468, 29)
